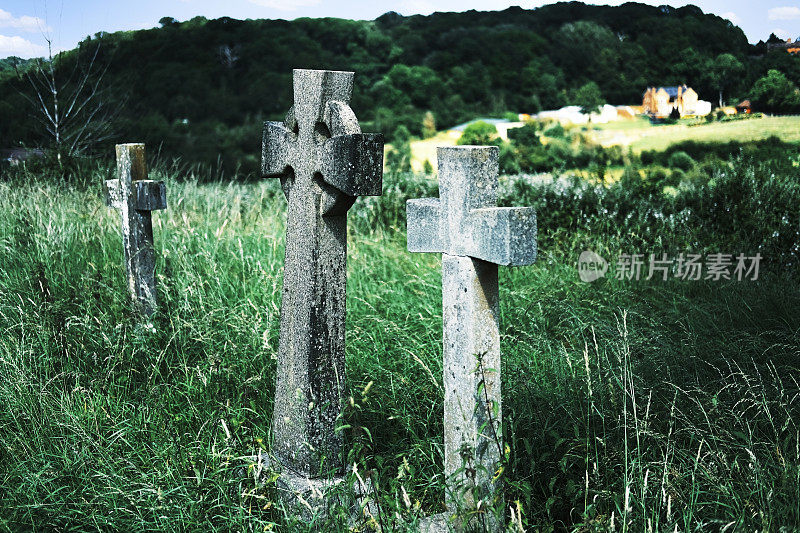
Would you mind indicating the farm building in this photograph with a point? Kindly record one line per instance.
(660, 102)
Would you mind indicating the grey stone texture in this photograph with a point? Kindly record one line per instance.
(466, 221)
(317, 498)
(474, 237)
(136, 197)
(324, 162)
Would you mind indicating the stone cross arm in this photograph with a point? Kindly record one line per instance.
(321, 138)
(464, 221)
(352, 163)
(145, 195)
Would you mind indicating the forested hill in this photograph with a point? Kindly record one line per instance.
(201, 88)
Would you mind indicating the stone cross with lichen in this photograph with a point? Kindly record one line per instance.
(136, 197)
(474, 236)
(324, 162)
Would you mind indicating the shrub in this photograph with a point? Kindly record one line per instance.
(555, 131)
(680, 160)
(479, 133)
(428, 125)
(509, 163)
(527, 135)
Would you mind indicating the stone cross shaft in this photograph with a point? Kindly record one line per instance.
(474, 236)
(324, 162)
(135, 197)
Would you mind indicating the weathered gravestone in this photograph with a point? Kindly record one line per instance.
(135, 197)
(474, 237)
(324, 162)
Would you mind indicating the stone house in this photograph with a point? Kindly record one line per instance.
(659, 102)
(792, 47)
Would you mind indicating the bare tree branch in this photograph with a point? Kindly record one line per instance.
(72, 109)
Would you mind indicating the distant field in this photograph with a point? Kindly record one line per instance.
(641, 135)
(425, 149)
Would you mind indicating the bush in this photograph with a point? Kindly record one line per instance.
(479, 133)
(527, 135)
(680, 160)
(717, 207)
(398, 158)
(509, 163)
(555, 131)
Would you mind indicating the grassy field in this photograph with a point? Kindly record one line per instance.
(640, 135)
(425, 149)
(628, 405)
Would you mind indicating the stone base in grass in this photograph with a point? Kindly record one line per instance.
(437, 523)
(315, 497)
(450, 523)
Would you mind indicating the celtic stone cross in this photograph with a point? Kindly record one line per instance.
(324, 162)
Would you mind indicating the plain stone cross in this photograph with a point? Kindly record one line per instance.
(474, 236)
(135, 197)
(324, 162)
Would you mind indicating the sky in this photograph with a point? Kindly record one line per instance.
(27, 25)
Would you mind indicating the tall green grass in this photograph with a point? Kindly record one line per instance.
(627, 405)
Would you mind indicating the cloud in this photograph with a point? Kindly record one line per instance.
(285, 5)
(784, 13)
(17, 46)
(24, 23)
(733, 17)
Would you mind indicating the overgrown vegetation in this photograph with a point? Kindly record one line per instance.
(627, 404)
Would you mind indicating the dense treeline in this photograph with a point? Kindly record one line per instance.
(200, 89)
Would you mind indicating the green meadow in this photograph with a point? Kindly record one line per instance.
(640, 135)
(628, 404)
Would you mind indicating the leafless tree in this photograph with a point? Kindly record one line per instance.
(70, 104)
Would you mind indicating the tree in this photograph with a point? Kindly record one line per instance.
(724, 72)
(68, 103)
(211, 71)
(774, 39)
(589, 98)
(479, 133)
(775, 93)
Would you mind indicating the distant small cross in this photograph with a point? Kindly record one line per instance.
(474, 236)
(324, 162)
(136, 197)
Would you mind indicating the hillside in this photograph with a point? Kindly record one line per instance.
(200, 89)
